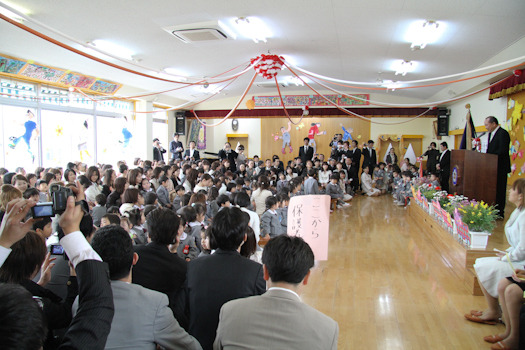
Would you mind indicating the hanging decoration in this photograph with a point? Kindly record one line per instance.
(267, 66)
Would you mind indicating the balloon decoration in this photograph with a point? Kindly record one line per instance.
(267, 66)
(250, 104)
(305, 111)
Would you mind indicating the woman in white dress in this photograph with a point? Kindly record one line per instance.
(492, 270)
(366, 183)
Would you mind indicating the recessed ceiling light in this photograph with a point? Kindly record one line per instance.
(402, 67)
(252, 28)
(421, 33)
(391, 85)
(113, 49)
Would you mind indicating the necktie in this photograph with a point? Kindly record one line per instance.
(305, 149)
(490, 135)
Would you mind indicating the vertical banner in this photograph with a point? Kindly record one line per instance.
(308, 218)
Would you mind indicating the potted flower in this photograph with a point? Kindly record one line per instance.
(481, 220)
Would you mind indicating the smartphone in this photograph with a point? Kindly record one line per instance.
(42, 210)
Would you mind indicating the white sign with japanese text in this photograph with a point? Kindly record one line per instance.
(308, 218)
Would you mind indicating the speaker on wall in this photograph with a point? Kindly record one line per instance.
(442, 120)
(180, 123)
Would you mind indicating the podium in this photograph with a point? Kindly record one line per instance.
(474, 174)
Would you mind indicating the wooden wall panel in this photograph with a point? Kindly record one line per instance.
(331, 125)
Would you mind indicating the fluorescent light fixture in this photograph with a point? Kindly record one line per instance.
(11, 14)
(252, 28)
(421, 33)
(402, 67)
(293, 80)
(176, 73)
(113, 49)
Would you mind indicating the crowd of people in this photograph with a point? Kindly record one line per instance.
(179, 242)
(197, 246)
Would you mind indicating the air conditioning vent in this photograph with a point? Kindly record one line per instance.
(199, 32)
(204, 34)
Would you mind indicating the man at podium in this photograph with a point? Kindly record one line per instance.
(498, 143)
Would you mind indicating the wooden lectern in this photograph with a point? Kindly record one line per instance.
(474, 174)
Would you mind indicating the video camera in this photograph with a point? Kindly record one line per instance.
(58, 204)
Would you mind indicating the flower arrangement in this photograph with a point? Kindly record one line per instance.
(479, 217)
(454, 201)
(441, 196)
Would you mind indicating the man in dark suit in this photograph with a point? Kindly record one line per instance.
(306, 152)
(158, 151)
(158, 268)
(264, 322)
(356, 155)
(191, 153)
(176, 147)
(499, 141)
(369, 156)
(432, 155)
(225, 275)
(444, 166)
(231, 155)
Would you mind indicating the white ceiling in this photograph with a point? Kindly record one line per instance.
(344, 39)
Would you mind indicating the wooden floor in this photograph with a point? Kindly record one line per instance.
(387, 288)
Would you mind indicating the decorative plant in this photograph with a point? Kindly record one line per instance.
(479, 217)
(441, 197)
(454, 201)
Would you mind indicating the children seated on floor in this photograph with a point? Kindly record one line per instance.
(334, 190)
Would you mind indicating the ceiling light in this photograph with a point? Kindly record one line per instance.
(294, 80)
(252, 28)
(421, 33)
(391, 85)
(113, 49)
(11, 14)
(402, 67)
(176, 73)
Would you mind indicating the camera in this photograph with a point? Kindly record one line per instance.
(42, 210)
(56, 249)
(59, 196)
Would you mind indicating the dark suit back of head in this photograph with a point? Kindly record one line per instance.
(228, 228)
(22, 323)
(163, 226)
(288, 259)
(115, 247)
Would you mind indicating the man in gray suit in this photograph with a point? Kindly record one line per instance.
(278, 319)
(142, 317)
(310, 184)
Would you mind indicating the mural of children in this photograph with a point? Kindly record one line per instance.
(30, 128)
(287, 139)
(83, 140)
(126, 134)
(347, 133)
(314, 130)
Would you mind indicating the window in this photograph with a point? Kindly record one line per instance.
(67, 137)
(19, 146)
